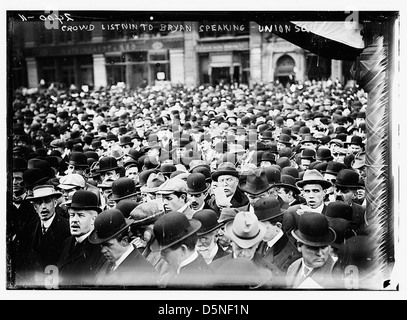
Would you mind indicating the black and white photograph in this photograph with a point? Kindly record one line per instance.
(157, 151)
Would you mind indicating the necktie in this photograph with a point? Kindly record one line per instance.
(111, 267)
(305, 273)
(44, 229)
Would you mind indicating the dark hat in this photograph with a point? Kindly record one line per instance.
(154, 181)
(308, 153)
(255, 183)
(126, 206)
(313, 230)
(283, 162)
(347, 178)
(107, 164)
(33, 177)
(343, 230)
(19, 164)
(268, 156)
(204, 169)
(285, 152)
(288, 182)
(334, 167)
(227, 214)
(44, 191)
(96, 144)
(285, 139)
(312, 176)
(267, 208)
(324, 154)
(84, 199)
(78, 159)
(143, 176)
(339, 209)
(267, 135)
(122, 188)
(291, 171)
(358, 251)
(309, 138)
(125, 140)
(111, 137)
(225, 168)
(108, 224)
(273, 174)
(167, 168)
(355, 140)
(208, 219)
(172, 228)
(304, 130)
(197, 183)
(320, 166)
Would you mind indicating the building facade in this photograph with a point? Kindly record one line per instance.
(100, 54)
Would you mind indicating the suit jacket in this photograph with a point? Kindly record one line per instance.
(78, 265)
(322, 276)
(283, 253)
(50, 244)
(135, 270)
(239, 199)
(359, 222)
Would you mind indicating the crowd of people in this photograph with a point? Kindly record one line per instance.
(204, 187)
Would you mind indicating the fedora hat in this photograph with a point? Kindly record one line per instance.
(44, 191)
(267, 208)
(208, 219)
(347, 178)
(225, 168)
(256, 183)
(108, 224)
(84, 199)
(78, 159)
(313, 176)
(324, 154)
(197, 183)
(288, 182)
(122, 188)
(107, 164)
(172, 228)
(334, 167)
(313, 230)
(154, 181)
(245, 229)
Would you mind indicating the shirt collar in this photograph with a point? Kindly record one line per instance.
(83, 237)
(273, 241)
(48, 222)
(123, 257)
(187, 261)
(304, 268)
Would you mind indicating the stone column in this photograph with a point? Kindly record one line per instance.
(190, 56)
(99, 70)
(177, 69)
(32, 72)
(255, 54)
(336, 70)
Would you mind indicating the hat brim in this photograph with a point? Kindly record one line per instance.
(110, 197)
(219, 225)
(194, 226)
(245, 243)
(107, 169)
(288, 186)
(349, 186)
(325, 184)
(253, 192)
(94, 239)
(327, 240)
(56, 195)
(208, 185)
(147, 220)
(76, 207)
(217, 174)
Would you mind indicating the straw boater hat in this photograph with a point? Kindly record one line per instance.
(44, 191)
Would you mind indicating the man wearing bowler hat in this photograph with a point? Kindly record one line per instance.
(47, 233)
(288, 191)
(125, 266)
(276, 247)
(246, 233)
(313, 186)
(176, 238)
(122, 188)
(207, 244)
(314, 269)
(226, 178)
(198, 190)
(80, 259)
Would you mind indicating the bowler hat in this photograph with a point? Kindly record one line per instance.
(204, 169)
(324, 154)
(308, 153)
(334, 167)
(19, 164)
(111, 137)
(78, 159)
(288, 182)
(339, 209)
(172, 228)
(107, 164)
(84, 199)
(96, 144)
(208, 219)
(309, 138)
(313, 176)
(122, 188)
(44, 191)
(273, 174)
(256, 183)
(126, 206)
(347, 178)
(108, 224)
(33, 177)
(267, 208)
(285, 139)
(291, 171)
(125, 140)
(283, 162)
(355, 140)
(225, 168)
(245, 230)
(197, 183)
(154, 181)
(268, 156)
(313, 230)
(167, 169)
(343, 231)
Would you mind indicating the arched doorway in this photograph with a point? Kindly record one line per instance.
(285, 72)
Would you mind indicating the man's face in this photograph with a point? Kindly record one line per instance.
(81, 221)
(172, 257)
(314, 195)
(109, 176)
(305, 164)
(197, 200)
(284, 195)
(18, 182)
(67, 193)
(222, 239)
(206, 242)
(205, 145)
(314, 257)
(253, 198)
(344, 194)
(172, 203)
(112, 249)
(272, 230)
(247, 253)
(132, 173)
(228, 183)
(354, 148)
(45, 207)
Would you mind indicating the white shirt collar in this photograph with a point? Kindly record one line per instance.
(83, 237)
(187, 261)
(303, 266)
(275, 239)
(317, 209)
(48, 222)
(123, 257)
